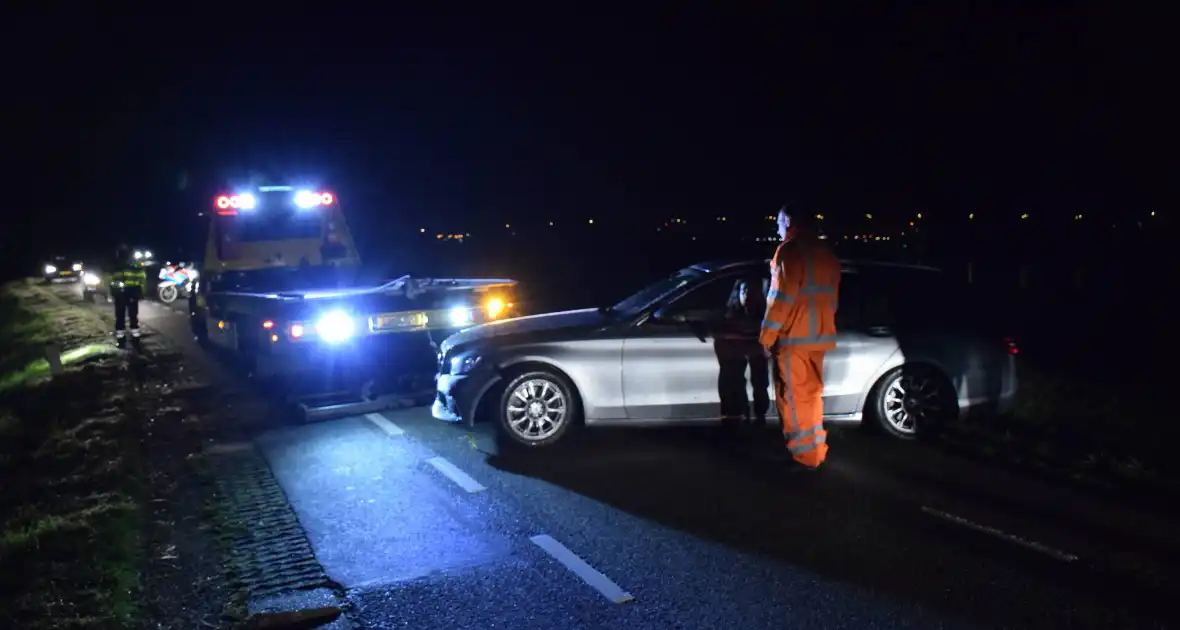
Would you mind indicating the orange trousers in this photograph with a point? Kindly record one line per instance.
(799, 390)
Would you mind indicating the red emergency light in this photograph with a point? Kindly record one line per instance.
(309, 199)
(229, 205)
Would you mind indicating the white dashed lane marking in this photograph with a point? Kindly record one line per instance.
(1001, 534)
(582, 569)
(453, 473)
(570, 560)
(384, 424)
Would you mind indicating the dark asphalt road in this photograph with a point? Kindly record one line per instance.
(887, 535)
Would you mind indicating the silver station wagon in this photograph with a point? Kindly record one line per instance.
(905, 359)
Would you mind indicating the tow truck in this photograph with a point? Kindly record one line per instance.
(282, 291)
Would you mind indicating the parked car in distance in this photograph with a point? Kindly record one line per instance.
(907, 359)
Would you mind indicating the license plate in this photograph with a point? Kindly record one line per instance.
(397, 320)
(65, 273)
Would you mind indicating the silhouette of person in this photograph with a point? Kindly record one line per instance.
(737, 348)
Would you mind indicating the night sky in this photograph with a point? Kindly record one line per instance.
(127, 126)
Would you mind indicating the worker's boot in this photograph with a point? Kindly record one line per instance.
(120, 339)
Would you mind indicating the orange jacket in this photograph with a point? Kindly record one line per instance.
(804, 290)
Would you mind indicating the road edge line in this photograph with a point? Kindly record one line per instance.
(579, 567)
(1002, 535)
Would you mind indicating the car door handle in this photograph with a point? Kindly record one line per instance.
(879, 331)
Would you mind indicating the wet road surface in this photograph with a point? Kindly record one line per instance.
(427, 525)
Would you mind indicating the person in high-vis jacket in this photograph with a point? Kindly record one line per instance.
(736, 346)
(127, 284)
(799, 327)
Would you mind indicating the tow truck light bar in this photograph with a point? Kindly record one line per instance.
(228, 205)
(307, 199)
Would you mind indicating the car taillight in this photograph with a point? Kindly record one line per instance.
(1010, 343)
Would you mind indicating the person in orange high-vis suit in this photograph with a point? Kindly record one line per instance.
(799, 327)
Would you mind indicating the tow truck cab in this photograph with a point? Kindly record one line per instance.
(282, 287)
(278, 227)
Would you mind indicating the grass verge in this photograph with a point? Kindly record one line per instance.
(69, 518)
(24, 331)
(1098, 433)
(31, 318)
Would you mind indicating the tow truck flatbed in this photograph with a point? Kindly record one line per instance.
(478, 285)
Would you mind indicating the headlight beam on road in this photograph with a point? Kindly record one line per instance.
(453, 473)
(385, 425)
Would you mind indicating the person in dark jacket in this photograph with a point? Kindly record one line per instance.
(736, 346)
(127, 283)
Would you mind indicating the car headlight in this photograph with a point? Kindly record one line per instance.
(464, 363)
(77, 267)
(90, 279)
(460, 316)
(335, 327)
(50, 269)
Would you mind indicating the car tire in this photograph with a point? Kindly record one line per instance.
(912, 402)
(527, 399)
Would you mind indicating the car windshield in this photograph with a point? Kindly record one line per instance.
(655, 291)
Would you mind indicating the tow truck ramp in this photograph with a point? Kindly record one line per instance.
(342, 403)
